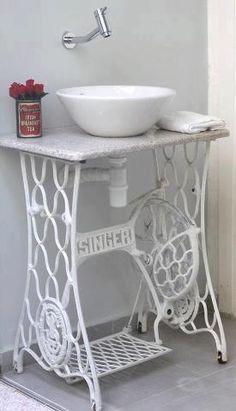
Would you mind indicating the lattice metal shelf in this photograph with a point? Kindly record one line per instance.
(117, 352)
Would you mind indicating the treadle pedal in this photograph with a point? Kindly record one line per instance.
(117, 352)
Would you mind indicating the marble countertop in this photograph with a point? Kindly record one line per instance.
(73, 144)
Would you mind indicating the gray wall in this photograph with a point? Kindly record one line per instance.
(157, 42)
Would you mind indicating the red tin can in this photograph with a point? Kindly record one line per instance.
(29, 118)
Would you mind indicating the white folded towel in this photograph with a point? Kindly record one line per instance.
(190, 123)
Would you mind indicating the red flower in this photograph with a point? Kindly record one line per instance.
(29, 83)
(29, 91)
(29, 86)
(22, 89)
(39, 89)
(14, 90)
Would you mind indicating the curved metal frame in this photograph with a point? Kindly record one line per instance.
(164, 160)
(45, 315)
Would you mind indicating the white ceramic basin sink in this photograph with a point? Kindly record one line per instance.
(116, 111)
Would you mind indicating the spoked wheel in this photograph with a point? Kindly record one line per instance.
(171, 239)
(185, 309)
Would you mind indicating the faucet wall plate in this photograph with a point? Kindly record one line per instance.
(66, 40)
(69, 40)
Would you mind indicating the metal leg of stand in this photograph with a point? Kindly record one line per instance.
(192, 184)
(52, 280)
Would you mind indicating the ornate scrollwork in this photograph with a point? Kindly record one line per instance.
(53, 331)
(172, 240)
(185, 309)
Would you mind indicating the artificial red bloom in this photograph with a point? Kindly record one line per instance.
(39, 89)
(17, 90)
(29, 86)
(14, 90)
(22, 89)
(27, 91)
(29, 83)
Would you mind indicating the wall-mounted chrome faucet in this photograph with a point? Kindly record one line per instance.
(69, 40)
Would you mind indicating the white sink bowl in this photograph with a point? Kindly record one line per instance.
(116, 111)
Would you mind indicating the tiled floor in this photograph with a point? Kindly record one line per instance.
(187, 379)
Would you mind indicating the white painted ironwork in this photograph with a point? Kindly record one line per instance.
(105, 240)
(117, 352)
(171, 240)
(52, 273)
(161, 238)
(52, 330)
(185, 309)
(185, 188)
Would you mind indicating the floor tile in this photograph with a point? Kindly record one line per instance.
(189, 378)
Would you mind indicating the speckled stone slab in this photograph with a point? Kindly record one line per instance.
(73, 144)
(13, 400)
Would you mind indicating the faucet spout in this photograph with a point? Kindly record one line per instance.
(102, 22)
(69, 40)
